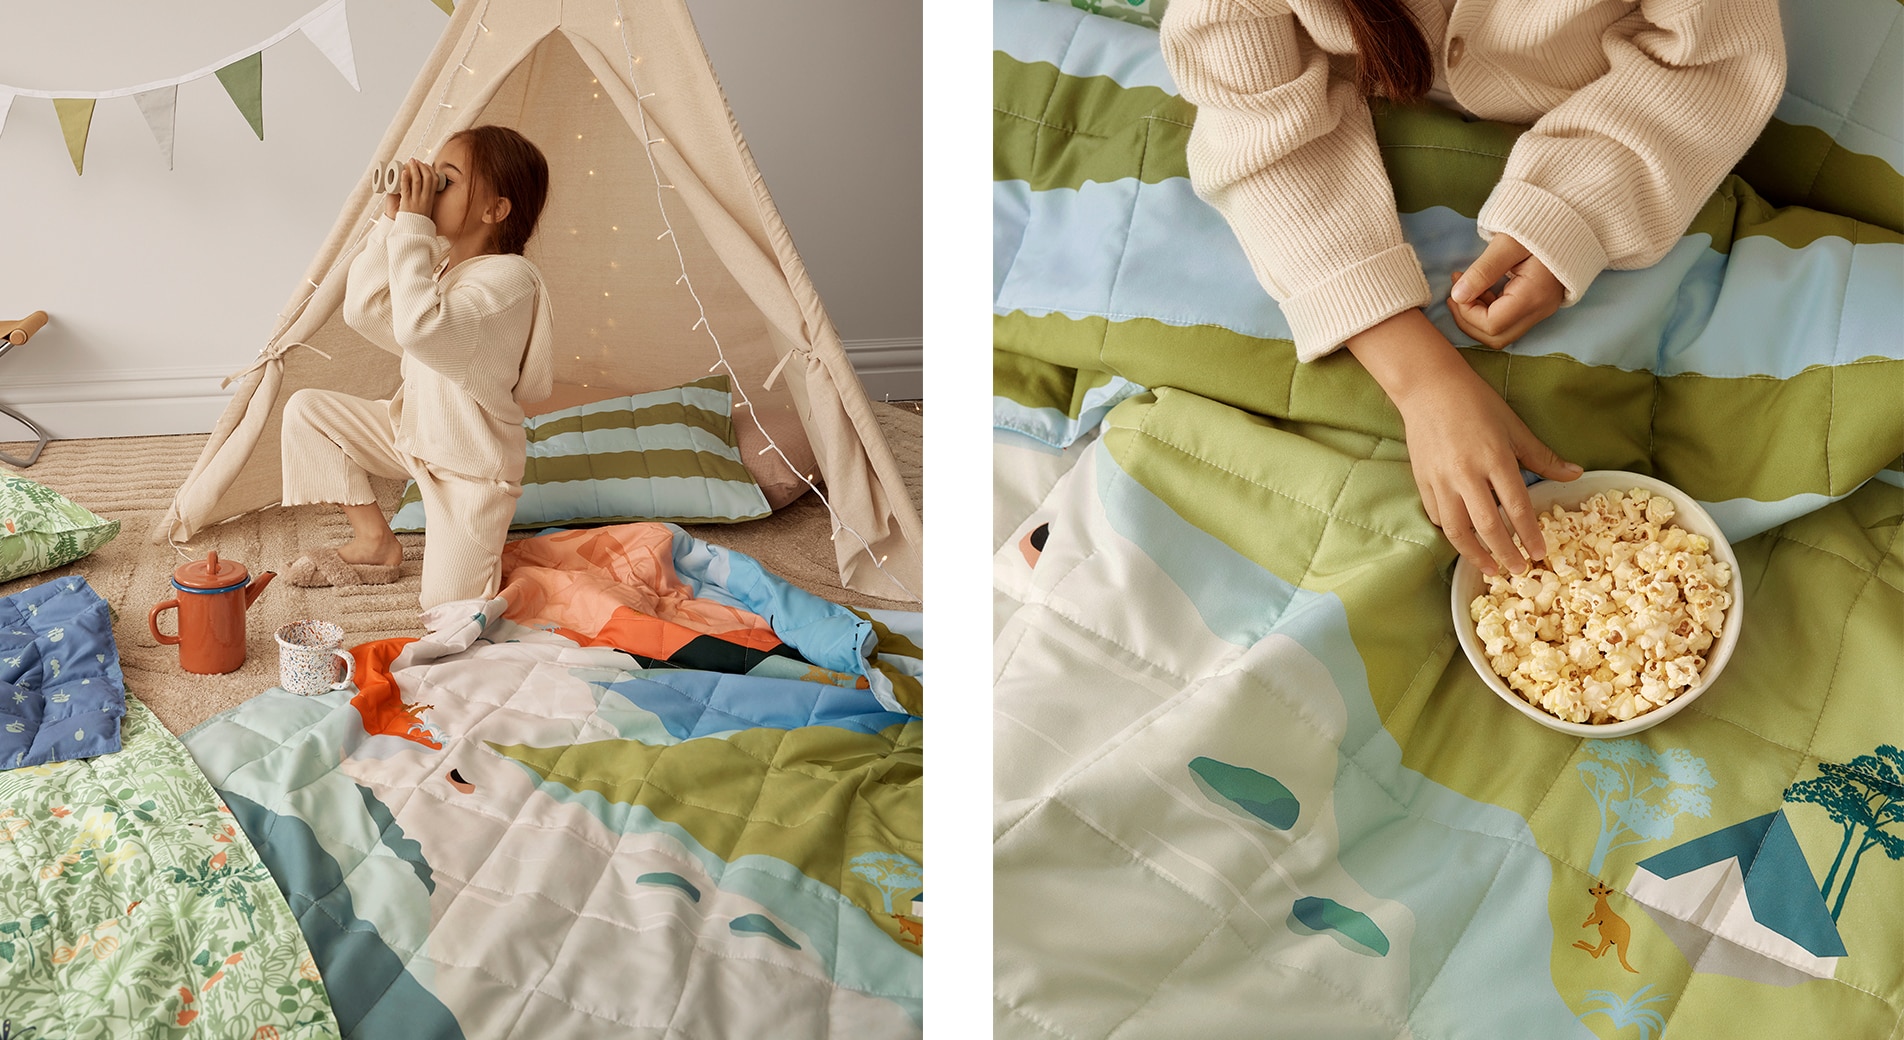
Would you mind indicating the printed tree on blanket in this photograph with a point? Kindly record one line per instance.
(1628, 1011)
(890, 872)
(1641, 792)
(1864, 795)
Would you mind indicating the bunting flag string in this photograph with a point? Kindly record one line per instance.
(241, 74)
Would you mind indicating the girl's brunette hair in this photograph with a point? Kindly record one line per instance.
(509, 167)
(1391, 54)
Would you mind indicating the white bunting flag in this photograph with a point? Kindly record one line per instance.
(328, 30)
(161, 114)
(6, 102)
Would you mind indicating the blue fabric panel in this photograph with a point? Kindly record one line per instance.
(824, 633)
(698, 704)
(61, 692)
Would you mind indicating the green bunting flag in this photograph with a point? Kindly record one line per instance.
(76, 118)
(244, 81)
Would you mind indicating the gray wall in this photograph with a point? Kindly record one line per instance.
(160, 282)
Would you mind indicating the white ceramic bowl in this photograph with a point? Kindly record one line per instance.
(1688, 516)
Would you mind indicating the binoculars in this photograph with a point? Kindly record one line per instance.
(386, 178)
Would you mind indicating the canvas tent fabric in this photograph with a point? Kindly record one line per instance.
(585, 80)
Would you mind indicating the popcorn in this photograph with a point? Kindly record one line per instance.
(1616, 621)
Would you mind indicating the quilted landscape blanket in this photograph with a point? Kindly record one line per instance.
(1247, 785)
(537, 821)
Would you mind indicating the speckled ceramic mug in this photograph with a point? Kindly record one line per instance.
(307, 657)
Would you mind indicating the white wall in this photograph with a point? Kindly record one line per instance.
(162, 282)
(829, 96)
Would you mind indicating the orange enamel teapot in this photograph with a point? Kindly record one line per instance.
(213, 595)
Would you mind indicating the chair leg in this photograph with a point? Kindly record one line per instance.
(33, 456)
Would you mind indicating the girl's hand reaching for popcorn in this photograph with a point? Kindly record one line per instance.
(1465, 445)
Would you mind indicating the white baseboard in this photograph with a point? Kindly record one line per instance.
(125, 403)
(152, 402)
(890, 369)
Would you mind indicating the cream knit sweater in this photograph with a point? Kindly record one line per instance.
(1638, 110)
(475, 345)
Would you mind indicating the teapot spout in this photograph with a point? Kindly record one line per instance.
(257, 585)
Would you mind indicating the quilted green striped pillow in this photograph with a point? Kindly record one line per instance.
(664, 455)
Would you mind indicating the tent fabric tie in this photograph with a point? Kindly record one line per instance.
(774, 376)
(274, 352)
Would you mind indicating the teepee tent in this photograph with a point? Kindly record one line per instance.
(664, 257)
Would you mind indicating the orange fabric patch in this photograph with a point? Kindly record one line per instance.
(378, 702)
(617, 586)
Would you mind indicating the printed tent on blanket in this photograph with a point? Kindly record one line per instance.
(584, 79)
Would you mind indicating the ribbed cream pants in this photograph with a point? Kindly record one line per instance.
(332, 442)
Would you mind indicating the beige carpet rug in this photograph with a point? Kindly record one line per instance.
(131, 479)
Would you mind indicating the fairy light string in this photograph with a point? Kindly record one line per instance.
(702, 323)
(739, 387)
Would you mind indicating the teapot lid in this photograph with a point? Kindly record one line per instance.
(210, 573)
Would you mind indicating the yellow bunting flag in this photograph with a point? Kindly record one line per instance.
(76, 118)
(244, 81)
(448, 6)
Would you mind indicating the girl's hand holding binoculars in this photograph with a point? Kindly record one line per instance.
(417, 188)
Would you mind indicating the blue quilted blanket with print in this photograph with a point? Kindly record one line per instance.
(61, 692)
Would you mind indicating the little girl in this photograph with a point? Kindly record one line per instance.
(1638, 109)
(469, 316)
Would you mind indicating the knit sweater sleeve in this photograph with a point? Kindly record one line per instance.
(367, 289)
(1287, 154)
(440, 326)
(1613, 175)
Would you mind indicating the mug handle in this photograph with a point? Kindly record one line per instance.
(350, 669)
(153, 620)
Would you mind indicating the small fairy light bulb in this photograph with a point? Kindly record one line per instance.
(578, 137)
(614, 227)
(591, 173)
(604, 292)
(615, 264)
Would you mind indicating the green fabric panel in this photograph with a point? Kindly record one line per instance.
(661, 462)
(244, 81)
(1315, 517)
(1038, 384)
(671, 412)
(1795, 165)
(1059, 131)
(76, 120)
(1030, 381)
(123, 879)
(907, 690)
(886, 641)
(1715, 438)
(813, 797)
(1434, 158)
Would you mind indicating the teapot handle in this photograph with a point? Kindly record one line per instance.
(153, 620)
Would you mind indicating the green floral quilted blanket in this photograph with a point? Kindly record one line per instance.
(131, 905)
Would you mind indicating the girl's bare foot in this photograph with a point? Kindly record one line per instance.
(386, 551)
